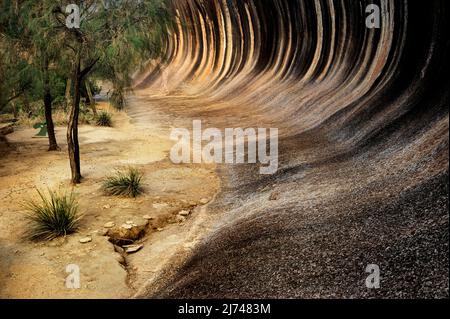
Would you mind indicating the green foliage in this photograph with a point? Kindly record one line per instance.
(115, 36)
(28, 46)
(125, 183)
(16, 75)
(104, 119)
(122, 36)
(54, 216)
(117, 99)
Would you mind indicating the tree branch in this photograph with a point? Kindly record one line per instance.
(88, 69)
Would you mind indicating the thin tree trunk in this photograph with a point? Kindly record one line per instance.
(14, 109)
(53, 145)
(67, 95)
(26, 105)
(91, 98)
(72, 127)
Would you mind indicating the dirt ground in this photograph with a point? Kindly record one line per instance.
(38, 270)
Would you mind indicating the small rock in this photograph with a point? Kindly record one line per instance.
(107, 207)
(127, 232)
(109, 225)
(129, 249)
(129, 222)
(204, 201)
(159, 229)
(180, 219)
(85, 240)
(147, 217)
(184, 213)
(274, 196)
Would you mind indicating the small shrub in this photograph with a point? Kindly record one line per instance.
(104, 119)
(117, 99)
(124, 183)
(53, 216)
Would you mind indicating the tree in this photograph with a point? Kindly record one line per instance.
(26, 33)
(14, 77)
(114, 37)
(111, 42)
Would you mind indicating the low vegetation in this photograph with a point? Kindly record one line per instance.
(53, 216)
(124, 183)
(104, 119)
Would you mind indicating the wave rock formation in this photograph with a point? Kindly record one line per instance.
(363, 122)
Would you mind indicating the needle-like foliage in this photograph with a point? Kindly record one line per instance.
(124, 183)
(104, 119)
(53, 216)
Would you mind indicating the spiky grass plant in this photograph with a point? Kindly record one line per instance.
(53, 216)
(104, 119)
(124, 183)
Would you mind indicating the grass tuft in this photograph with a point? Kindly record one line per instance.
(124, 183)
(53, 216)
(104, 119)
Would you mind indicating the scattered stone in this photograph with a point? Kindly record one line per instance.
(204, 201)
(129, 249)
(126, 233)
(85, 240)
(180, 219)
(184, 213)
(159, 229)
(107, 207)
(147, 217)
(109, 225)
(274, 196)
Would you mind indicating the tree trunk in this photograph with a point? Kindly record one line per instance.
(53, 145)
(26, 105)
(14, 109)
(67, 95)
(91, 98)
(72, 127)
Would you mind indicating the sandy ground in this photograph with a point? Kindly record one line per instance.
(38, 270)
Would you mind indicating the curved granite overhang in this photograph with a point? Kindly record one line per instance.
(363, 121)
